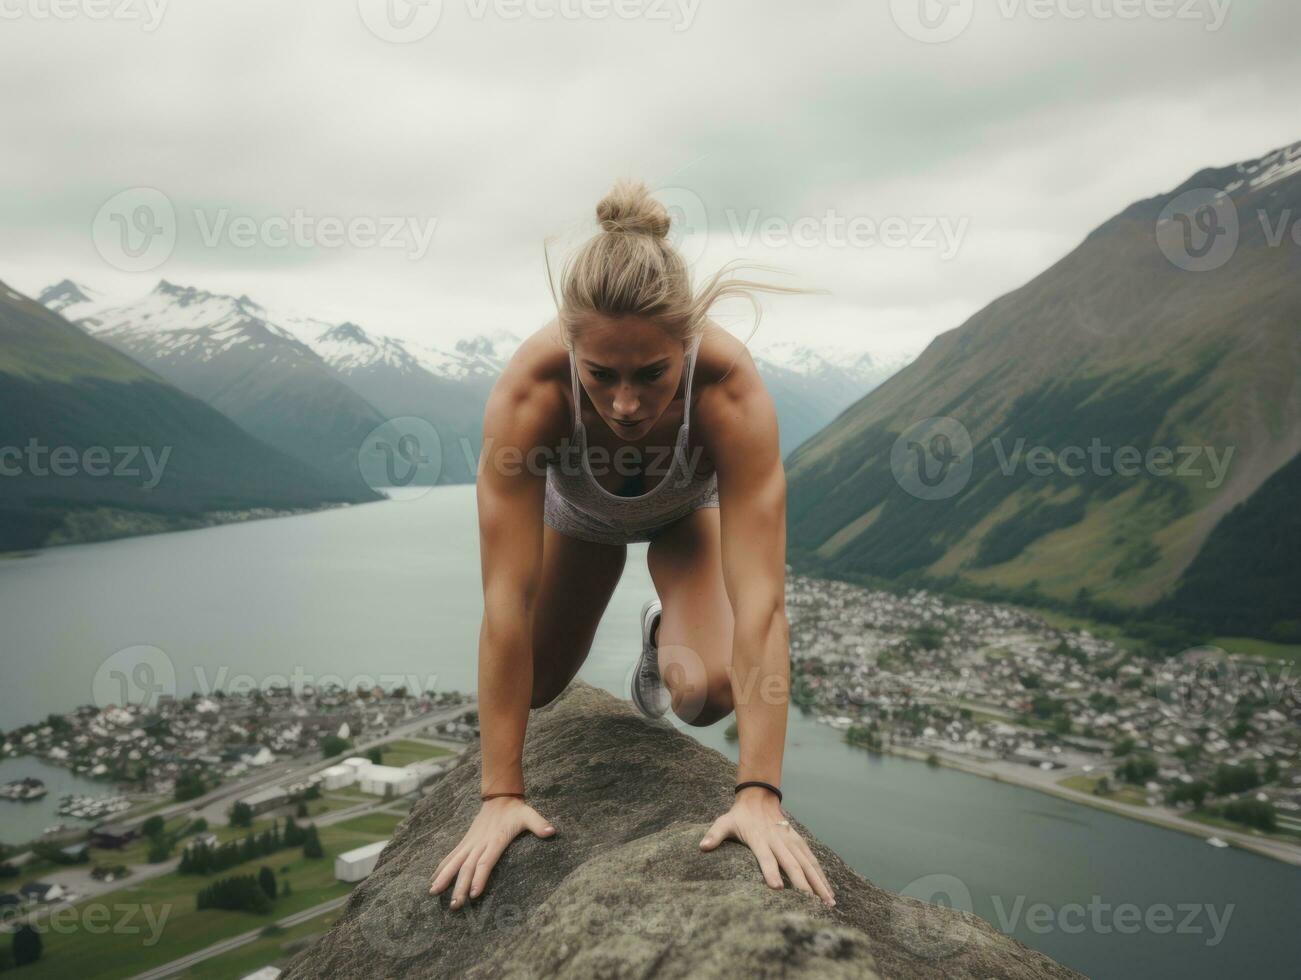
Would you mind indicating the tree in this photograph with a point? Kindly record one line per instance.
(267, 879)
(312, 845)
(27, 946)
(376, 755)
(160, 849)
(189, 786)
(301, 811)
(153, 826)
(241, 815)
(333, 745)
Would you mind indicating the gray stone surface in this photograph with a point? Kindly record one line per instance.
(623, 890)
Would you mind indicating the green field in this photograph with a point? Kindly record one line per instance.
(1285, 653)
(267, 951)
(404, 752)
(1132, 795)
(84, 950)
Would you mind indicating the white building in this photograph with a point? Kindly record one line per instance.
(337, 777)
(388, 781)
(356, 865)
(357, 763)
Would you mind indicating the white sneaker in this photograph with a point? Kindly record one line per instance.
(648, 692)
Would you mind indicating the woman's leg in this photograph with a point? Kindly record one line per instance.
(578, 578)
(695, 631)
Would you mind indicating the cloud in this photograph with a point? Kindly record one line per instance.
(506, 129)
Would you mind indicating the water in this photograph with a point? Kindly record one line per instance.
(21, 821)
(392, 590)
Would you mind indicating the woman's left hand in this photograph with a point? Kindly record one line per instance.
(754, 820)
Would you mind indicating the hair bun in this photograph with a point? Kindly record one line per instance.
(630, 209)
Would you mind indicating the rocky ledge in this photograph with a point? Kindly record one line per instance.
(623, 890)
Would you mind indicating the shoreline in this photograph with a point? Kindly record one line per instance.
(1267, 847)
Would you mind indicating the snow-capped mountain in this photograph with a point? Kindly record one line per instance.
(316, 388)
(65, 294)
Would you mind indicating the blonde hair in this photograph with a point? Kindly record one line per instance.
(630, 268)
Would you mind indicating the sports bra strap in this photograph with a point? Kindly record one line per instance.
(573, 377)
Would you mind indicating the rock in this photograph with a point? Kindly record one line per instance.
(623, 890)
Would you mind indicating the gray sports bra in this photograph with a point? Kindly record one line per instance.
(678, 492)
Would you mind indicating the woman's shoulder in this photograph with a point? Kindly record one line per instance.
(724, 364)
(533, 386)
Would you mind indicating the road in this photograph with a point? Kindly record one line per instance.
(235, 942)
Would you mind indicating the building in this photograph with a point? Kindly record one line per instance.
(208, 840)
(266, 973)
(356, 865)
(388, 781)
(112, 836)
(266, 799)
(337, 777)
(40, 891)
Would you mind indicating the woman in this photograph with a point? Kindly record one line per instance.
(654, 426)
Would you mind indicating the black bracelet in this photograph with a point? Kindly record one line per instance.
(756, 782)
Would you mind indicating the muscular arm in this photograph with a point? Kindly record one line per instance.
(741, 435)
(510, 499)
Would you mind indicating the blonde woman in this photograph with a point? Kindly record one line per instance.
(634, 417)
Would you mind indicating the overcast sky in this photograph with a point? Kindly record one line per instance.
(783, 133)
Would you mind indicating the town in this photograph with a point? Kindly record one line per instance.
(1202, 740)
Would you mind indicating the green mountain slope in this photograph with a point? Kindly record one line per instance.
(61, 389)
(1123, 343)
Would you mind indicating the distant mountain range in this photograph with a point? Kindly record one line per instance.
(314, 388)
(94, 445)
(1175, 326)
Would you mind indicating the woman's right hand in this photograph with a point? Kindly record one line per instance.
(498, 822)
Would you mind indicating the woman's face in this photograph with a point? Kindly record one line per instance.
(630, 369)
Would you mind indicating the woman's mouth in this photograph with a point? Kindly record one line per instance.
(628, 424)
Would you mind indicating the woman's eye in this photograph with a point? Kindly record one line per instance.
(655, 375)
(602, 375)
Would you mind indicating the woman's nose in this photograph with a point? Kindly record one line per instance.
(625, 402)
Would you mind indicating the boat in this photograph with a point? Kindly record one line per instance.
(23, 790)
(1216, 842)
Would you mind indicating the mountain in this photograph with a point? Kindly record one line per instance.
(1170, 328)
(810, 387)
(210, 345)
(228, 351)
(576, 911)
(96, 445)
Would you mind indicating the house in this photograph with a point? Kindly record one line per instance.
(208, 840)
(337, 777)
(266, 973)
(40, 891)
(112, 836)
(77, 852)
(357, 864)
(8, 900)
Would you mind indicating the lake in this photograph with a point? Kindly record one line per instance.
(391, 591)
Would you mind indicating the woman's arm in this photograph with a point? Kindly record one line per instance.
(740, 426)
(510, 500)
